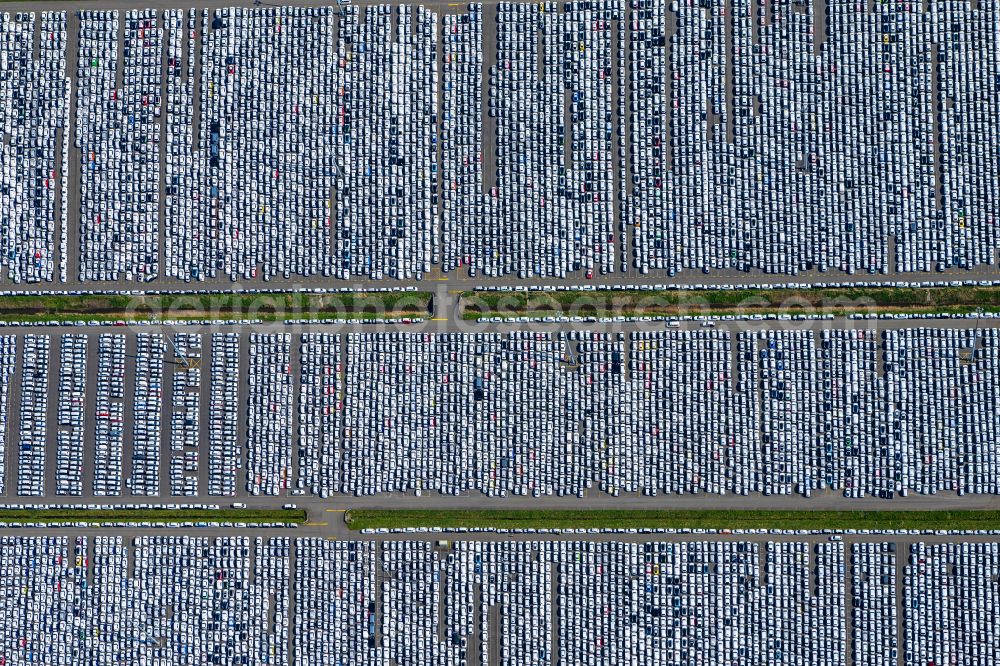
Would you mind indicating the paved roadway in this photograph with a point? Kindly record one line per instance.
(129, 533)
(326, 516)
(456, 280)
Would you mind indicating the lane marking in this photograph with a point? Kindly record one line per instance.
(311, 524)
(335, 510)
(439, 319)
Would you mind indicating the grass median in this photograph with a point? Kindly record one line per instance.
(695, 519)
(287, 516)
(264, 306)
(681, 302)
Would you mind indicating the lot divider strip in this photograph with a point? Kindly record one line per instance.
(693, 519)
(680, 302)
(264, 306)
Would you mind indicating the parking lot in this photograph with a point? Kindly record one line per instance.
(233, 146)
(622, 598)
(496, 142)
(650, 411)
(278, 408)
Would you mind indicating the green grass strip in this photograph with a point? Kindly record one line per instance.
(263, 306)
(836, 312)
(152, 515)
(476, 304)
(695, 519)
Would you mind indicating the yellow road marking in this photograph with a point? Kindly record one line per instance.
(439, 319)
(442, 279)
(311, 524)
(335, 510)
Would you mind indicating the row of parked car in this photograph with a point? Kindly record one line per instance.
(607, 133)
(528, 190)
(873, 615)
(347, 113)
(950, 603)
(224, 459)
(787, 149)
(237, 600)
(118, 142)
(147, 418)
(72, 414)
(34, 109)
(676, 411)
(8, 366)
(109, 415)
(33, 422)
(320, 410)
(185, 415)
(177, 599)
(710, 410)
(385, 103)
(269, 414)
